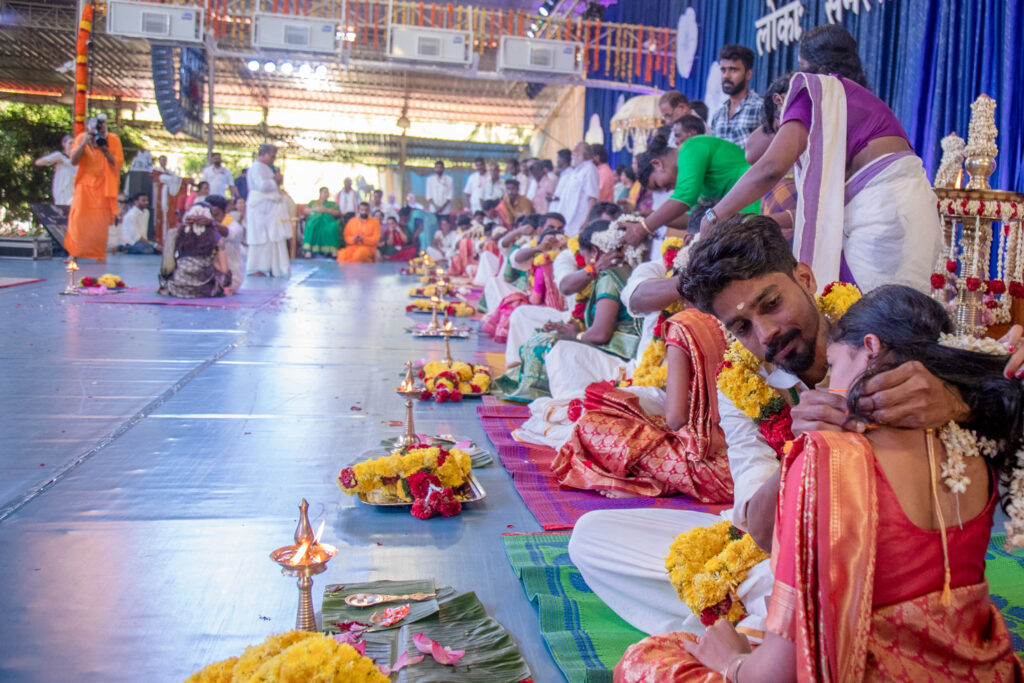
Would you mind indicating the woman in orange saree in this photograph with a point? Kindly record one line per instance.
(620, 448)
(877, 575)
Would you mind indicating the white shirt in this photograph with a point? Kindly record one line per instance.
(134, 225)
(348, 201)
(645, 272)
(752, 461)
(563, 266)
(387, 208)
(439, 192)
(531, 189)
(576, 187)
(63, 177)
(473, 188)
(491, 189)
(219, 179)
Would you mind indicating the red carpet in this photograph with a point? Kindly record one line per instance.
(530, 466)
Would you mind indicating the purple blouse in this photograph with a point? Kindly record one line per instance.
(867, 117)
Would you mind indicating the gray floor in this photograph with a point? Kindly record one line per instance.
(152, 456)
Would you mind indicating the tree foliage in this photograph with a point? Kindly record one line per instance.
(26, 133)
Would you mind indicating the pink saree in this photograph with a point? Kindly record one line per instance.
(617, 446)
(825, 551)
(544, 293)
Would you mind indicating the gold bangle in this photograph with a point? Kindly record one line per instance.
(643, 224)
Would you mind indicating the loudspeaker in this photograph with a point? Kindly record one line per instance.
(171, 113)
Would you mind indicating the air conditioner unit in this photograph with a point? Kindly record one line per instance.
(536, 54)
(181, 23)
(431, 45)
(303, 34)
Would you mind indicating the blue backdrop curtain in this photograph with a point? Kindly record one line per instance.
(928, 59)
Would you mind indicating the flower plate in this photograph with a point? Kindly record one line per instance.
(476, 493)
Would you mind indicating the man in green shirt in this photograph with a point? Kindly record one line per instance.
(703, 166)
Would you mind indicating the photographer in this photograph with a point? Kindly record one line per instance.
(99, 157)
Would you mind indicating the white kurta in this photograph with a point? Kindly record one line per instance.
(219, 178)
(267, 223)
(439, 192)
(488, 268)
(134, 226)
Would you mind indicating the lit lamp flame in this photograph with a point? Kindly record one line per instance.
(300, 554)
(72, 265)
(319, 530)
(434, 300)
(440, 272)
(448, 325)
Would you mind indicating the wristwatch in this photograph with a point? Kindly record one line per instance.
(711, 217)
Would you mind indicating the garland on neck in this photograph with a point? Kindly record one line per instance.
(652, 370)
(739, 381)
(579, 310)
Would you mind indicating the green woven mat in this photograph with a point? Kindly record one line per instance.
(585, 637)
(1005, 574)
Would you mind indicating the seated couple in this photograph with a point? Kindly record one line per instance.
(912, 603)
(604, 324)
(195, 258)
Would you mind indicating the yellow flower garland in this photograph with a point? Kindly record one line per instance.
(470, 376)
(652, 371)
(460, 308)
(707, 564)
(370, 474)
(295, 656)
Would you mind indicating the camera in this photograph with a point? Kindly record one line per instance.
(93, 126)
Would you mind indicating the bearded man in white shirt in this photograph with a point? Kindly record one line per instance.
(577, 190)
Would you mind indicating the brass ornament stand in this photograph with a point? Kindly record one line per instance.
(963, 278)
(304, 560)
(72, 269)
(409, 391)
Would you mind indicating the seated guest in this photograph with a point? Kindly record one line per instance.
(321, 233)
(422, 225)
(362, 234)
(395, 244)
(194, 264)
(624, 446)
(541, 288)
(605, 324)
(135, 227)
(513, 205)
(508, 279)
(197, 195)
(233, 233)
(911, 595)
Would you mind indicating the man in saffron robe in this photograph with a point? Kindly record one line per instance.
(362, 234)
(99, 158)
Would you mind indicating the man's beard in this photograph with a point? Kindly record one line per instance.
(730, 88)
(796, 361)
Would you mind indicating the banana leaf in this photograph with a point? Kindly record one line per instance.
(334, 609)
(461, 623)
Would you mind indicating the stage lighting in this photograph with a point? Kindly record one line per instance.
(320, 70)
(531, 34)
(253, 65)
(305, 70)
(287, 69)
(534, 27)
(544, 10)
(270, 67)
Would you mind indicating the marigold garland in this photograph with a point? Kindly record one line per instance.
(295, 656)
(579, 310)
(457, 308)
(707, 564)
(448, 384)
(387, 476)
(739, 381)
(652, 371)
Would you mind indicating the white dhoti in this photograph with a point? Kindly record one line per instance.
(487, 268)
(573, 366)
(621, 555)
(524, 323)
(891, 228)
(268, 224)
(495, 290)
